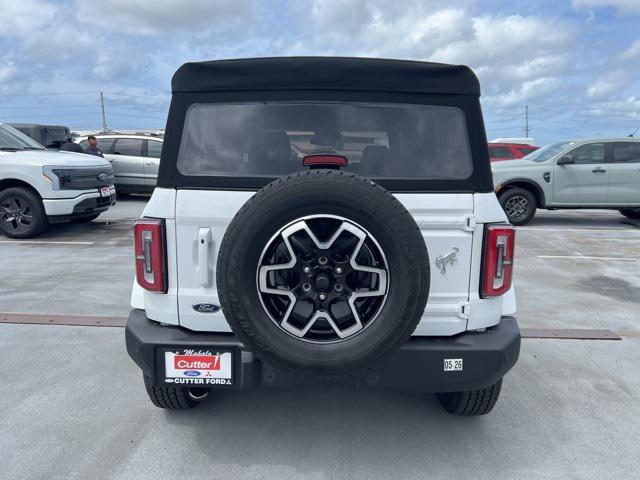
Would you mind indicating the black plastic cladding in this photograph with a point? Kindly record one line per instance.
(479, 181)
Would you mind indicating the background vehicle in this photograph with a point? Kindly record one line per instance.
(518, 140)
(263, 264)
(39, 186)
(597, 173)
(135, 159)
(51, 136)
(509, 151)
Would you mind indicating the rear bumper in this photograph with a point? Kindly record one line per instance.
(419, 364)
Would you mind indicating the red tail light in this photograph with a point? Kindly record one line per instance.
(323, 160)
(149, 238)
(497, 271)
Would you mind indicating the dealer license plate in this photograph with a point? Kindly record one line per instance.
(104, 192)
(198, 367)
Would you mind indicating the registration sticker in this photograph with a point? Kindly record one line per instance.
(198, 367)
(452, 364)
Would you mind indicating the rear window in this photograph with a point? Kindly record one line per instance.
(104, 144)
(272, 138)
(500, 152)
(626, 152)
(526, 151)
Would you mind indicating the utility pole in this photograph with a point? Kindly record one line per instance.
(526, 121)
(104, 118)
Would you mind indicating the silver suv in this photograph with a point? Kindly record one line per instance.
(135, 159)
(602, 173)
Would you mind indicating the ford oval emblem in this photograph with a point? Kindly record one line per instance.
(102, 176)
(206, 307)
(192, 373)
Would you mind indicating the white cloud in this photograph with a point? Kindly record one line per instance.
(632, 6)
(631, 53)
(506, 51)
(60, 41)
(140, 17)
(524, 92)
(22, 17)
(611, 83)
(514, 56)
(111, 63)
(628, 107)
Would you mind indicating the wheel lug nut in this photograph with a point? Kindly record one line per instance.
(306, 287)
(306, 269)
(322, 260)
(322, 297)
(337, 287)
(338, 270)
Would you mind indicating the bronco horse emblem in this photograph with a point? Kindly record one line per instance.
(449, 258)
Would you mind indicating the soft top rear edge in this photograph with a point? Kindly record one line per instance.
(325, 73)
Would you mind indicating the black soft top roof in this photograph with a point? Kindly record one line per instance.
(325, 73)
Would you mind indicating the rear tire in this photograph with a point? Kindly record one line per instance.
(519, 205)
(21, 213)
(471, 403)
(174, 398)
(633, 213)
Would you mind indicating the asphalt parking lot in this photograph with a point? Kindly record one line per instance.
(73, 404)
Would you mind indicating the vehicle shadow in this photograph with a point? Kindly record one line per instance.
(301, 429)
(583, 219)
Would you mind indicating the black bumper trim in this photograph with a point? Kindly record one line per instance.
(419, 364)
(86, 208)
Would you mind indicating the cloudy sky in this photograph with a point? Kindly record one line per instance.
(575, 63)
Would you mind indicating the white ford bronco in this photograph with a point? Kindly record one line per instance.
(324, 221)
(39, 186)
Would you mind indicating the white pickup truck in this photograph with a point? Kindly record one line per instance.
(40, 186)
(324, 221)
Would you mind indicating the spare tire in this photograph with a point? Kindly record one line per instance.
(323, 273)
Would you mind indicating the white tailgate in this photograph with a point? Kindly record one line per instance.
(198, 212)
(446, 221)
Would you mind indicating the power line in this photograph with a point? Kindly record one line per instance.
(43, 94)
(77, 93)
(129, 95)
(25, 107)
(526, 121)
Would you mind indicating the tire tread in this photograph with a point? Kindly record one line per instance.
(470, 403)
(172, 398)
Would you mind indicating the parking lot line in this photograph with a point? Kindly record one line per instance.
(75, 320)
(47, 242)
(586, 257)
(582, 229)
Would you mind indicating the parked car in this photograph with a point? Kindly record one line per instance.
(256, 267)
(51, 136)
(598, 173)
(135, 159)
(40, 186)
(509, 151)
